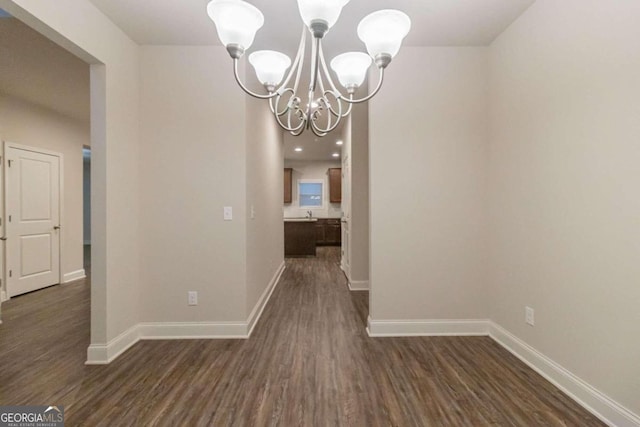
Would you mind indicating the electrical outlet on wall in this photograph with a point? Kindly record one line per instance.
(529, 316)
(192, 298)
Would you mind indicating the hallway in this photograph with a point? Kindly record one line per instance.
(309, 362)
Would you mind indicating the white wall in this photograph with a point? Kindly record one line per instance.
(27, 124)
(79, 27)
(193, 164)
(359, 166)
(311, 169)
(264, 166)
(564, 174)
(428, 148)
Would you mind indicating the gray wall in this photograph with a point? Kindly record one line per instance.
(428, 147)
(563, 182)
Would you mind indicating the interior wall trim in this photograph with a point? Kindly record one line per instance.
(192, 330)
(358, 285)
(587, 396)
(103, 354)
(256, 313)
(74, 275)
(427, 327)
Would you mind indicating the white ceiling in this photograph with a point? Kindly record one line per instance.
(313, 148)
(45, 74)
(39, 71)
(435, 22)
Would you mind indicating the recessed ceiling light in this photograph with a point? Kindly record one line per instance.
(338, 142)
(336, 154)
(298, 149)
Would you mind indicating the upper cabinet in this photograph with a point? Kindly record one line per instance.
(335, 185)
(288, 183)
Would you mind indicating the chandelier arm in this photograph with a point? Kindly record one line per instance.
(337, 97)
(348, 109)
(274, 110)
(322, 89)
(277, 98)
(317, 132)
(298, 58)
(371, 95)
(289, 127)
(300, 64)
(315, 54)
(331, 127)
(325, 100)
(315, 62)
(328, 75)
(327, 129)
(303, 121)
(271, 107)
(255, 95)
(336, 92)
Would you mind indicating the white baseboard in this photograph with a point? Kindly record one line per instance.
(359, 285)
(99, 354)
(3, 296)
(192, 330)
(432, 327)
(103, 354)
(74, 275)
(264, 299)
(594, 401)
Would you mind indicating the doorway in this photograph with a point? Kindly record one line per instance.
(86, 208)
(33, 217)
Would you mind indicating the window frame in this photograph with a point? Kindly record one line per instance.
(312, 181)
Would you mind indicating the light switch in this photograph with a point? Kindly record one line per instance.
(228, 213)
(253, 212)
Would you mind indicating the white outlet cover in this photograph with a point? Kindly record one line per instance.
(529, 316)
(193, 298)
(228, 213)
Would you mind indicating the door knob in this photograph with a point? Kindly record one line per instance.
(57, 227)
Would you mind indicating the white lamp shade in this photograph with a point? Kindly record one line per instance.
(351, 68)
(270, 65)
(236, 21)
(323, 10)
(383, 31)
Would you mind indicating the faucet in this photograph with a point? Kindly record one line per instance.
(309, 214)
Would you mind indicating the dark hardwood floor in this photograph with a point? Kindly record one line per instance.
(309, 362)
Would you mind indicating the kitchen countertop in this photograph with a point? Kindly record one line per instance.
(300, 219)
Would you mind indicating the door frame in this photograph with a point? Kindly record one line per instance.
(3, 193)
(345, 221)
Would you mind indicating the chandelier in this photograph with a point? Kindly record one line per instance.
(382, 32)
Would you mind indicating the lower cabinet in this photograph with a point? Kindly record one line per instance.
(299, 239)
(328, 232)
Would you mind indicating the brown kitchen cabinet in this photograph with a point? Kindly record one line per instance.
(299, 238)
(288, 185)
(328, 232)
(335, 185)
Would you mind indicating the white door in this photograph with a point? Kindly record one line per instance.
(32, 208)
(346, 215)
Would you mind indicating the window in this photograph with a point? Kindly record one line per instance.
(310, 193)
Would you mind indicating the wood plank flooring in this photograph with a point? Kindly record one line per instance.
(309, 362)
